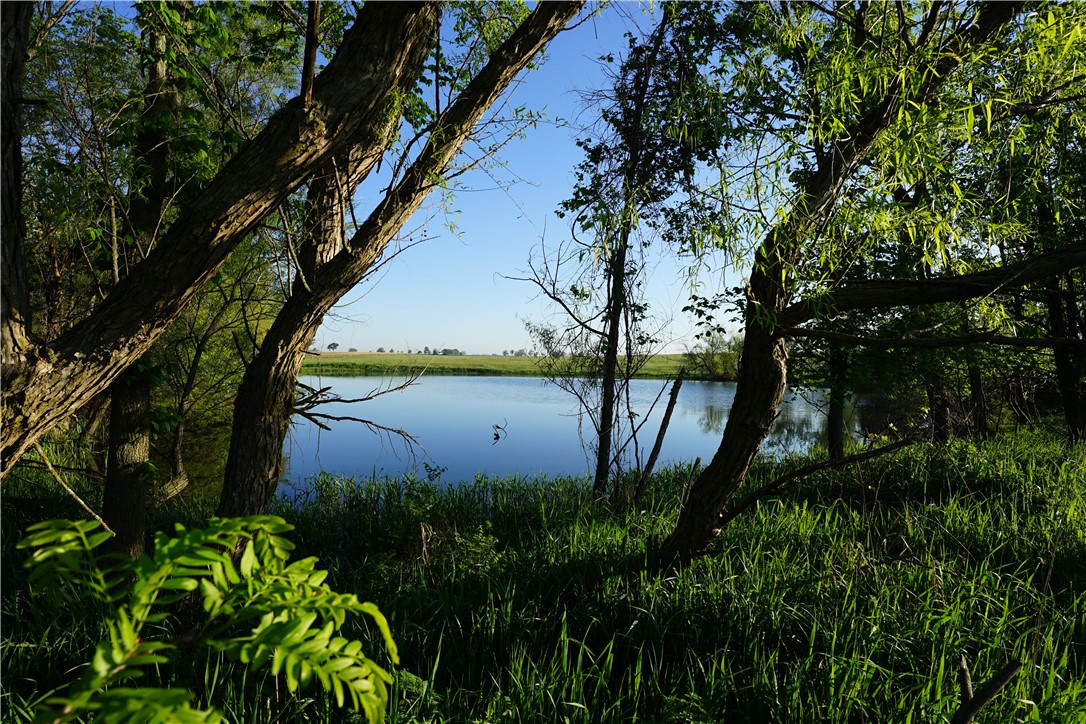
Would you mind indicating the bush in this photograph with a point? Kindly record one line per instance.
(258, 609)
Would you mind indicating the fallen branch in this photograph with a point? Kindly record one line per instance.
(60, 480)
(972, 703)
(791, 479)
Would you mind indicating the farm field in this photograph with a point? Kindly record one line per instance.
(366, 364)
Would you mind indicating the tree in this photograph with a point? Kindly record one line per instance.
(44, 382)
(621, 185)
(333, 346)
(330, 263)
(847, 115)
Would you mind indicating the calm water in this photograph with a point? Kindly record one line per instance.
(452, 419)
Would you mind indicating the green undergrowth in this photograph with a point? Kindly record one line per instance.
(847, 600)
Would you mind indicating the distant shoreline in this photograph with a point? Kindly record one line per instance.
(385, 364)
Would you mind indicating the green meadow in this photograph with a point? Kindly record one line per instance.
(850, 599)
(378, 364)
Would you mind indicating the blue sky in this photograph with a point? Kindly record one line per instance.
(451, 290)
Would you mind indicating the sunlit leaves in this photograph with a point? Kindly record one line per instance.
(261, 609)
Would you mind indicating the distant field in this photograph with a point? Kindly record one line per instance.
(365, 364)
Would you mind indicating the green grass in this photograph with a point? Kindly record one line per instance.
(355, 364)
(520, 600)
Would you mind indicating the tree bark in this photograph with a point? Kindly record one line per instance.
(938, 409)
(330, 266)
(128, 470)
(978, 403)
(616, 301)
(354, 95)
(1069, 370)
(14, 322)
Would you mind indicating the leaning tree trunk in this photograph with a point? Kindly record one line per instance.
(265, 400)
(264, 403)
(760, 387)
(359, 88)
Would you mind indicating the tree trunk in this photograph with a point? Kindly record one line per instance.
(938, 409)
(977, 401)
(330, 266)
(376, 65)
(835, 418)
(128, 470)
(759, 390)
(615, 303)
(14, 322)
(265, 400)
(1069, 369)
(643, 479)
(129, 436)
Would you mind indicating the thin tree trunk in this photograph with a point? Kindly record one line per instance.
(938, 409)
(673, 398)
(615, 303)
(835, 418)
(977, 401)
(1069, 375)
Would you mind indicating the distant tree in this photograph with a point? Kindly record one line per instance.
(334, 346)
(505, 352)
(380, 349)
(353, 349)
(426, 350)
(716, 356)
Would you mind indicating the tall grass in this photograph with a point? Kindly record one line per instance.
(848, 600)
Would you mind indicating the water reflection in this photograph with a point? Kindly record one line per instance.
(712, 419)
(453, 418)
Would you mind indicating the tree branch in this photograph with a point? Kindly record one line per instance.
(887, 293)
(932, 342)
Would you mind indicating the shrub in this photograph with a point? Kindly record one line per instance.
(258, 608)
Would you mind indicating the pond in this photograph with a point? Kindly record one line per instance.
(453, 419)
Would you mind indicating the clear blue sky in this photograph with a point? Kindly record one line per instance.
(450, 291)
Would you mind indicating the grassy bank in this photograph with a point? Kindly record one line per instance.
(357, 364)
(516, 600)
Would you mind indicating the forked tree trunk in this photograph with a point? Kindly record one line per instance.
(265, 400)
(359, 88)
